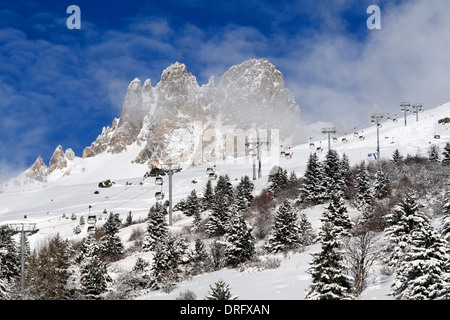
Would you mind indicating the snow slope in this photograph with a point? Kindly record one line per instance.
(72, 193)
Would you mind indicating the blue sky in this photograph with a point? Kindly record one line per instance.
(61, 86)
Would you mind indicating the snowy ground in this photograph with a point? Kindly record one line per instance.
(73, 193)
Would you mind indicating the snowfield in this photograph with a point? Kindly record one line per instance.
(71, 192)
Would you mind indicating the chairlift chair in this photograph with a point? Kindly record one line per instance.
(91, 230)
(344, 140)
(319, 149)
(362, 138)
(212, 176)
(282, 154)
(159, 181)
(159, 195)
(335, 140)
(209, 170)
(312, 146)
(92, 219)
(3, 249)
(356, 134)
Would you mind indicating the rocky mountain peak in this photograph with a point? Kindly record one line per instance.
(161, 119)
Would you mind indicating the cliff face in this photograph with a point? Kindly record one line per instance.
(167, 120)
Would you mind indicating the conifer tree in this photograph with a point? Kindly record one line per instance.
(111, 242)
(95, 279)
(433, 154)
(224, 188)
(157, 228)
(312, 190)
(243, 193)
(208, 196)
(381, 185)
(336, 213)
(421, 272)
(446, 214)
(239, 241)
(329, 279)
(191, 205)
(199, 258)
(306, 232)
(48, 270)
(277, 180)
(10, 261)
(332, 172)
(364, 197)
(397, 157)
(220, 291)
(166, 270)
(400, 222)
(446, 155)
(218, 219)
(285, 233)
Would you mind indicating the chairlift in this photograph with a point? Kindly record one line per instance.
(212, 176)
(388, 119)
(394, 120)
(282, 154)
(159, 195)
(312, 146)
(372, 121)
(380, 125)
(3, 249)
(92, 219)
(436, 136)
(91, 230)
(344, 140)
(356, 134)
(158, 181)
(287, 155)
(362, 138)
(209, 170)
(335, 140)
(319, 149)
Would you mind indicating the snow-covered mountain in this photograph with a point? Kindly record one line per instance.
(160, 118)
(68, 186)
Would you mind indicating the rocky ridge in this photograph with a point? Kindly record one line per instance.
(169, 118)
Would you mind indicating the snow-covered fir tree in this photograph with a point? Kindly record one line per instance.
(336, 213)
(239, 241)
(220, 291)
(95, 279)
(422, 272)
(433, 154)
(166, 267)
(312, 190)
(224, 188)
(329, 279)
(446, 155)
(157, 228)
(332, 172)
(285, 234)
(381, 185)
(364, 196)
(208, 196)
(243, 193)
(277, 180)
(200, 261)
(9, 261)
(306, 232)
(403, 218)
(397, 157)
(191, 206)
(111, 242)
(446, 214)
(219, 217)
